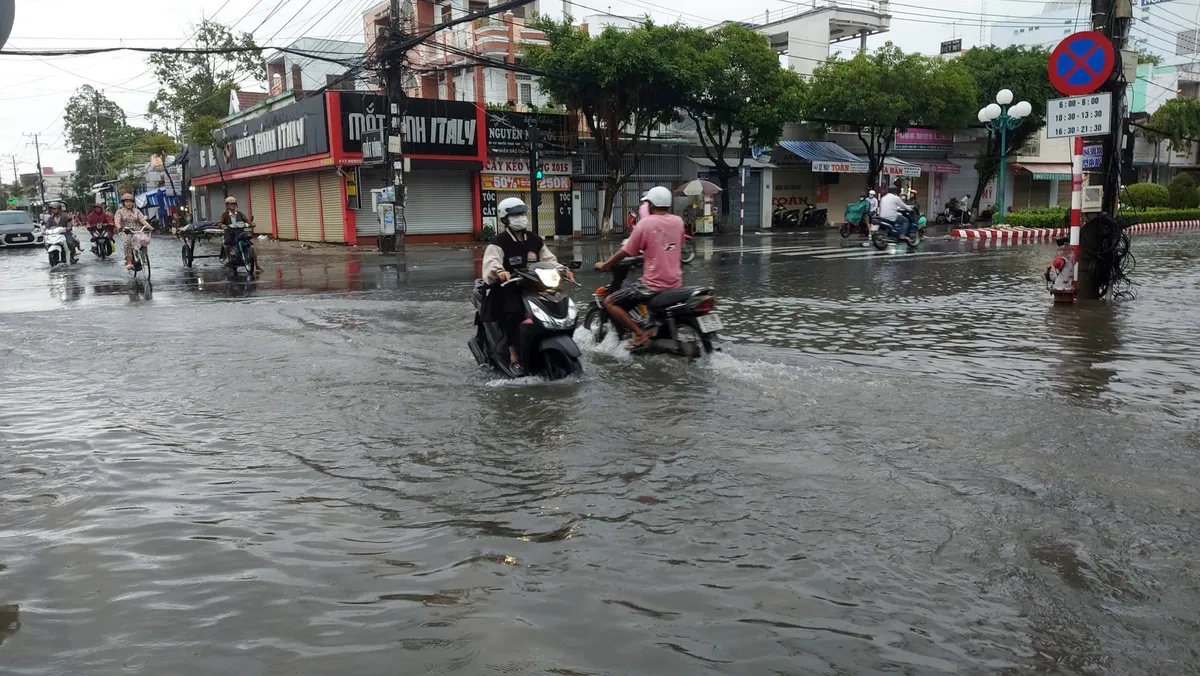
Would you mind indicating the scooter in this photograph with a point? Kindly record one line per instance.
(58, 249)
(889, 233)
(241, 254)
(784, 218)
(680, 322)
(102, 242)
(814, 217)
(546, 346)
(955, 213)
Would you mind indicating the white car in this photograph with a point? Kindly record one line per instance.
(18, 229)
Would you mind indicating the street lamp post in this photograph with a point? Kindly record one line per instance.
(1002, 116)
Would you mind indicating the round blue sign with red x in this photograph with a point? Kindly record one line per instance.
(1081, 63)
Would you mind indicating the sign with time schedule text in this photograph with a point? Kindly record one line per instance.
(1088, 115)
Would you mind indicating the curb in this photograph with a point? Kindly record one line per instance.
(1042, 234)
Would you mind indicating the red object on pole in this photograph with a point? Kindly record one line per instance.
(1065, 279)
(742, 218)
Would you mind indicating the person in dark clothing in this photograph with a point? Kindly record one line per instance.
(514, 248)
(230, 216)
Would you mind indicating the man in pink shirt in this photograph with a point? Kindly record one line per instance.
(658, 238)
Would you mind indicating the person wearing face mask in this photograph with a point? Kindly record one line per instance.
(513, 249)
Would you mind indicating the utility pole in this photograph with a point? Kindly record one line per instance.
(535, 170)
(1112, 19)
(41, 181)
(391, 63)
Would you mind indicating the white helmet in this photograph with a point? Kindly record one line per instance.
(871, 193)
(658, 196)
(511, 206)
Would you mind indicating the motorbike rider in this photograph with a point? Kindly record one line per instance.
(513, 249)
(58, 219)
(99, 221)
(659, 239)
(894, 210)
(230, 216)
(873, 198)
(128, 217)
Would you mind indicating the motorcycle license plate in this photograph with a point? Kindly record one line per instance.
(709, 323)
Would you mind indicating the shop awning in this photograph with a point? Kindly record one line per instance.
(826, 157)
(751, 163)
(1046, 172)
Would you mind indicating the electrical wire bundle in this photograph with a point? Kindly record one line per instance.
(1110, 261)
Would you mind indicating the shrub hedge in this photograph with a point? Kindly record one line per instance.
(1057, 217)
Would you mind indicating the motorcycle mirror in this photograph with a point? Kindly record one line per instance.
(575, 265)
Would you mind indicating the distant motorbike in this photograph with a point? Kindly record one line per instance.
(58, 248)
(785, 218)
(546, 348)
(889, 232)
(680, 322)
(241, 255)
(689, 250)
(102, 242)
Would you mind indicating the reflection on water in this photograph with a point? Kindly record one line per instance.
(859, 483)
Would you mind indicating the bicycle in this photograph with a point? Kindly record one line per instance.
(141, 245)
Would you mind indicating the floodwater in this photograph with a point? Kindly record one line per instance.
(897, 464)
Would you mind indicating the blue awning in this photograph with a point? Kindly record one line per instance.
(827, 157)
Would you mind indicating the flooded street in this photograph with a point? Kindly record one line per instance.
(899, 463)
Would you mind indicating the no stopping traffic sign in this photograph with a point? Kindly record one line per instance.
(1081, 63)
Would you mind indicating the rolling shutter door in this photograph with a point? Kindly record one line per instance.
(285, 208)
(366, 221)
(308, 208)
(331, 207)
(439, 202)
(241, 191)
(260, 201)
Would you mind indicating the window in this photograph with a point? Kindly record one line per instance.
(446, 13)
(526, 92)
(1186, 42)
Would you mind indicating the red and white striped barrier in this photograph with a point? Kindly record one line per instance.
(1017, 235)
(1007, 235)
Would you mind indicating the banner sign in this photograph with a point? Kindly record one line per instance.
(840, 167)
(431, 127)
(296, 130)
(372, 147)
(508, 132)
(1093, 156)
(520, 165)
(901, 170)
(518, 183)
(918, 138)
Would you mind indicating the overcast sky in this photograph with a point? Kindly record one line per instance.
(36, 90)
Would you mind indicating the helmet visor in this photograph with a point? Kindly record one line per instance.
(517, 210)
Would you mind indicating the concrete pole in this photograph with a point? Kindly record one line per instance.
(742, 225)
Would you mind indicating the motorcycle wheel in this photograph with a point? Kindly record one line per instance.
(844, 231)
(596, 323)
(689, 251)
(54, 258)
(247, 262)
(557, 365)
(692, 343)
(879, 239)
(941, 219)
(145, 258)
(914, 240)
(188, 255)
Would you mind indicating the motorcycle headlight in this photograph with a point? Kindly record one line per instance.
(549, 278)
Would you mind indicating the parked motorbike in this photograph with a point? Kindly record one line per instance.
(785, 218)
(58, 249)
(546, 347)
(889, 232)
(814, 217)
(680, 322)
(956, 212)
(856, 219)
(242, 254)
(102, 242)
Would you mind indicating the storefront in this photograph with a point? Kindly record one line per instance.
(297, 171)
(507, 171)
(445, 150)
(828, 175)
(279, 168)
(1038, 185)
(930, 150)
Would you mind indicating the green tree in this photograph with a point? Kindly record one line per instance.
(194, 89)
(741, 97)
(1147, 57)
(1022, 70)
(624, 84)
(1183, 193)
(1145, 196)
(888, 91)
(96, 131)
(1176, 122)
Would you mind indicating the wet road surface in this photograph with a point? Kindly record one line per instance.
(898, 464)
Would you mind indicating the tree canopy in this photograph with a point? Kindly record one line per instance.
(1177, 122)
(741, 96)
(887, 91)
(1023, 70)
(194, 89)
(623, 84)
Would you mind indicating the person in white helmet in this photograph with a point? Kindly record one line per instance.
(874, 200)
(658, 238)
(512, 249)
